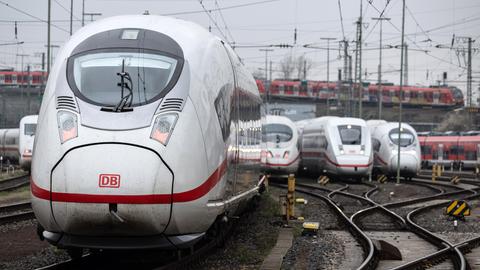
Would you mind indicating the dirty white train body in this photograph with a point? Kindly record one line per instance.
(281, 138)
(336, 146)
(137, 147)
(385, 148)
(26, 139)
(9, 152)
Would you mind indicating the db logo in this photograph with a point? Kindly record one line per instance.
(109, 180)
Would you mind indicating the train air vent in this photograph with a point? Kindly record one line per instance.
(171, 104)
(66, 102)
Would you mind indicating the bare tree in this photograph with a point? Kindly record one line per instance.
(287, 66)
(303, 65)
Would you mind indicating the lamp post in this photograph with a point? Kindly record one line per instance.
(401, 94)
(328, 56)
(380, 94)
(266, 75)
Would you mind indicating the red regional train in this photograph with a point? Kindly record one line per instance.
(451, 151)
(16, 78)
(412, 95)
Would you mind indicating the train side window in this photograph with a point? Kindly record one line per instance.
(323, 143)
(10, 140)
(470, 155)
(427, 149)
(445, 154)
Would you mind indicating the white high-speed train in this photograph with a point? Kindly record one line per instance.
(339, 147)
(26, 138)
(281, 138)
(385, 148)
(137, 138)
(9, 145)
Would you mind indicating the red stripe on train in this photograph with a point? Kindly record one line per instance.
(185, 196)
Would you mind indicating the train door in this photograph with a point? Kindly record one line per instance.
(421, 98)
(281, 89)
(295, 90)
(391, 94)
(436, 98)
(406, 96)
(478, 155)
(440, 152)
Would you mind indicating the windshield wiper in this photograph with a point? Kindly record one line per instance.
(125, 102)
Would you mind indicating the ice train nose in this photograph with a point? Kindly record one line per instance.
(111, 189)
(408, 163)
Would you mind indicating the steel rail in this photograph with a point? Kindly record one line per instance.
(14, 183)
(371, 259)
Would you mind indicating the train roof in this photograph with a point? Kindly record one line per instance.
(29, 119)
(374, 123)
(192, 38)
(335, 121)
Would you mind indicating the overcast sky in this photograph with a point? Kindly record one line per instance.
(262, 22)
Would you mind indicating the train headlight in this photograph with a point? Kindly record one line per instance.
(67, 125)
(340, 147)
(362, 149)
(286, 154)
(163, 127)
(269, 154)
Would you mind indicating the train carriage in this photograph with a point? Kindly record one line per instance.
(143, 143)
(340, 147)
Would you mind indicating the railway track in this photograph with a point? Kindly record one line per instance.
(16, 212)
(14, 183)
(446, 250)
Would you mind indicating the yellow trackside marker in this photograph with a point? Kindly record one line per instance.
(459, 210)
(323, 180)
(451, 206)
(301, 201)
(382, 178)
(310, 228)
(291, 197)
(455, 179)
(311, 225)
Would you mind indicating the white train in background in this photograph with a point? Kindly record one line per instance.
(9, 152)
(26, 138)
(339, 147)
(385, 141)
(281, 139)
(138, 145)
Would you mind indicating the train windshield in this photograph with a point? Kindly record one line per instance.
(350, 135)
(30, 129)
(277, 133)
(98, 76)
(406, 137)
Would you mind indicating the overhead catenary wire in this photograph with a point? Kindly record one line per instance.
(376, 22)
(413, 41)
(66, 9)
(227, 29)
(216, 9)
(32, 16)
(341, 19)
(213, 20)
